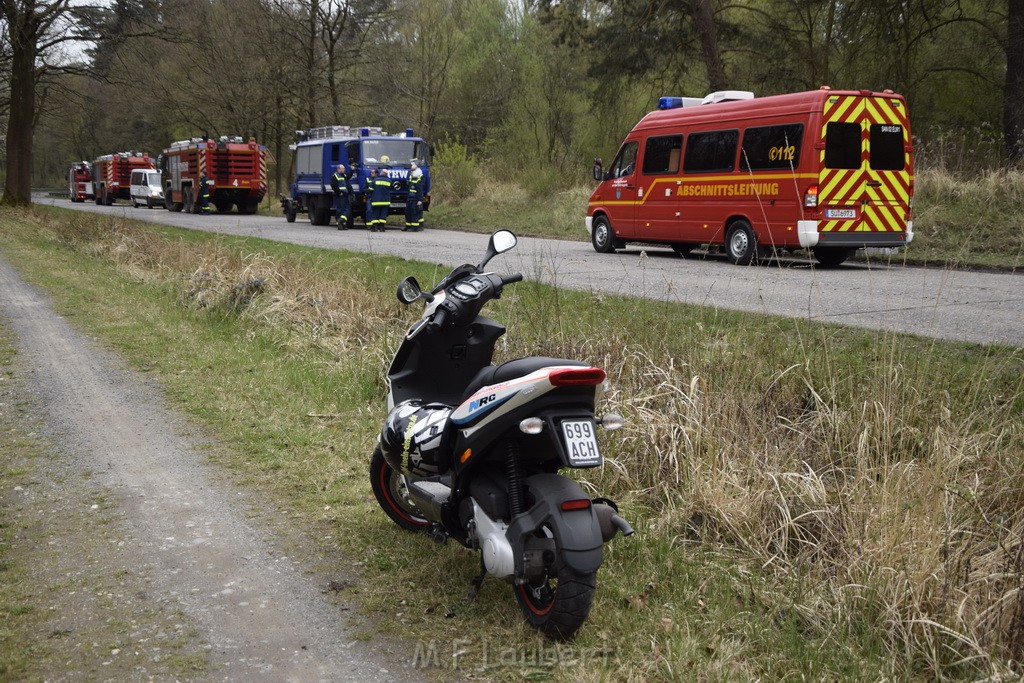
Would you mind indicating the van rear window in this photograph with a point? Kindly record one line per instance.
(712, 151)
(661, 154)
(771, 147)
(842, 145)
(887, 147)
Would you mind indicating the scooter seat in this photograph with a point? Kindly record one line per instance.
(493, 374)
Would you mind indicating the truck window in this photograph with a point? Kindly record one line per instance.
(842, 145)
(399, 152)
(661, 154)
(711, 151)
(771, 147)
(305, 162)
(886, 147)
(625, 161)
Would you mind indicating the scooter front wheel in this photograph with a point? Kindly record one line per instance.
(390, 491)
(558, 606)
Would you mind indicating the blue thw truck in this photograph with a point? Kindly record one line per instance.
(318, 151)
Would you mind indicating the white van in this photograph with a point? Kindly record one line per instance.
(146, 188)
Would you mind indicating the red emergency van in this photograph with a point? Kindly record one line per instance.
(825, 170)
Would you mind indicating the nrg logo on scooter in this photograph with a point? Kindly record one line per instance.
(481, 402)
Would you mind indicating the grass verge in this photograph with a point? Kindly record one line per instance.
(810, 500)
(974, 222)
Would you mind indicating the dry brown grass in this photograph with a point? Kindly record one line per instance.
(894, 493)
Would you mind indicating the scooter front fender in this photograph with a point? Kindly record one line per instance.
(577, 532)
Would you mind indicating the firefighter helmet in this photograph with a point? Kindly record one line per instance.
(412, 435)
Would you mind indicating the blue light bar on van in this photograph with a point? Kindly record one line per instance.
(365, 132)
(408, 132)
(670, 102)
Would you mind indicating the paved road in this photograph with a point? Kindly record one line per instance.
(986, 308)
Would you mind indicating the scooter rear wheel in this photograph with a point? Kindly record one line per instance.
(558, 606)
(392, 496)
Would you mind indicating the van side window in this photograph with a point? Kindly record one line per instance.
(712, 151)
(625, 160)
(771, 147)
(842, 145)
(661, 154)
(886, 150)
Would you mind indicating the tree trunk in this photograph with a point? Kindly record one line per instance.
(20, 123)
(312, 76)
(704, 21)
(1013, 87)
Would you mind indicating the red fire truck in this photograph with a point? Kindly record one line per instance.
(112, 175)
(237, 169)
(825, 170)
(80, 186)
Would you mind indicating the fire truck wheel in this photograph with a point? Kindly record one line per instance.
(601, 236)
(222, 206)
(741, 244)
(248, 208)
(830, 257)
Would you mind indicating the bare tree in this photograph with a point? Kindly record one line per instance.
(1013, 89)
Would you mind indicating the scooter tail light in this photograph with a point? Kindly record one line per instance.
(577, 377)
(581, 504)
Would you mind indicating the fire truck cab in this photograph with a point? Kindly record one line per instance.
(826, 170)
(318, 151)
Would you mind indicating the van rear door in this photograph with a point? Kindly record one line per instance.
(865, 178)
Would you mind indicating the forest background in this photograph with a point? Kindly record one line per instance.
(529, 91)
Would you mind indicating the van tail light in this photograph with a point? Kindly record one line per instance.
(576, 377)
(811, 197)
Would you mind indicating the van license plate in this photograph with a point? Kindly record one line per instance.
(581, 443)
(840, 213)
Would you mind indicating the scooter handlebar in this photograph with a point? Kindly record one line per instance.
(518, 277)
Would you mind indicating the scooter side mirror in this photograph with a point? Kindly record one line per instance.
(409, 290)
(500, 242)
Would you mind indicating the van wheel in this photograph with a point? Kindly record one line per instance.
(601, 236)
(741, 244)
(831, 256)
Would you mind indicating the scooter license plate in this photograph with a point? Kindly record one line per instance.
(581, 443)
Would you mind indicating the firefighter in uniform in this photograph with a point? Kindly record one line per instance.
(378, 200)
(204, 194)
(414, 201)
(342, 191)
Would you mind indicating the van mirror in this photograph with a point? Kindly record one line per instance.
(598, 170)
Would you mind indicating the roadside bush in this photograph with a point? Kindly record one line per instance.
(455, 175)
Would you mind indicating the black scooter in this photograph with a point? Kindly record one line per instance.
(472, 450)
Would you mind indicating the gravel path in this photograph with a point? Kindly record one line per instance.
(196, 537)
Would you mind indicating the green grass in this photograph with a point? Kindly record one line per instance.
(810, 500)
